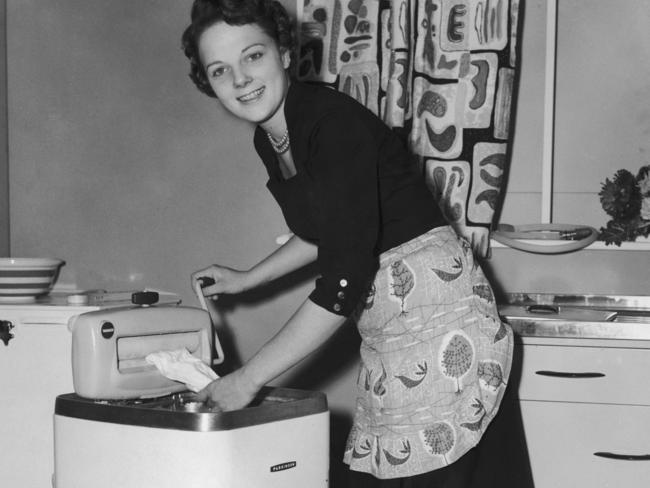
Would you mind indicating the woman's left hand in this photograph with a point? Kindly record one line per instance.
(477, 237)
(230, 392)
(480, 241)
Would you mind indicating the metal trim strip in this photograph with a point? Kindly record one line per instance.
(271, 405)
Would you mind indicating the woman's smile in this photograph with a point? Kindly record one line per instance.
(251, 96)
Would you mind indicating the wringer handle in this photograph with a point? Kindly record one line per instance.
(198, 290)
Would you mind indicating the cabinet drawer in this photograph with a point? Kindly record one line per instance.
(585, 374)
(587, 445)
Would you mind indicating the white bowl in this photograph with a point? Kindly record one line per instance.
(23, 279)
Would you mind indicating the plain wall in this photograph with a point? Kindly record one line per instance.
(602, 119)
(4, 160)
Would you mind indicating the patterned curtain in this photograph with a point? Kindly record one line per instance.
(441, 72)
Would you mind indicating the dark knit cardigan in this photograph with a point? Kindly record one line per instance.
(357, 192)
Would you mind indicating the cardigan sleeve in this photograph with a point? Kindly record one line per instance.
(343, 164)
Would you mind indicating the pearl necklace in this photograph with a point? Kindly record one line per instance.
(281, 146)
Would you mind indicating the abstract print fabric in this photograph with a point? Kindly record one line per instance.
(435, 359)
(442, 72)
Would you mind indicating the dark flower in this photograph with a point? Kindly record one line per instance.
(621, 198)
(626, 199)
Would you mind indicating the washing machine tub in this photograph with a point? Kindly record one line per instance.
(281, 440)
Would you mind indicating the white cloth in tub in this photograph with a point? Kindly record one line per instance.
(180, 365)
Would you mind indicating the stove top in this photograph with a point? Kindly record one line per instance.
(577, 316)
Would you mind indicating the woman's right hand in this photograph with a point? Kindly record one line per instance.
(216, 280)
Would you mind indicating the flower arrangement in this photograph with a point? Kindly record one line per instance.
(626, 199)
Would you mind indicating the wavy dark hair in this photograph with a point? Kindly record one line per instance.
(269, 15)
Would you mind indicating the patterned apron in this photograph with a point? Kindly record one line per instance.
(435, 359)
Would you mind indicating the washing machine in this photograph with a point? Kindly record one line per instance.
(128, 426)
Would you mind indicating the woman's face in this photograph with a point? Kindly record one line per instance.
(246, 70)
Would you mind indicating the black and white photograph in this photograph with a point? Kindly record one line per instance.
(325, 244)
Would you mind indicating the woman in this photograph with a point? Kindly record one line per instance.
(435, 357)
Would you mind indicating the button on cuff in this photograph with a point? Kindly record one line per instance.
(337, 294)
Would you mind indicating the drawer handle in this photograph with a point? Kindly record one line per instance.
(562, 374)
(543, 309)
(623, 457)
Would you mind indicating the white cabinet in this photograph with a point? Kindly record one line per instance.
(34, 369)
(586, 412)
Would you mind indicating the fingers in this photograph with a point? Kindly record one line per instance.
(478, 239)
(487, 250)
(207, 281)
(213, 290)
(472, 241)
(476, 242)
(216, 280)
(202, 396)
(214, 397)
(481, 243)
(198, 277)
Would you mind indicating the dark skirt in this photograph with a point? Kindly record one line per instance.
(457, 475)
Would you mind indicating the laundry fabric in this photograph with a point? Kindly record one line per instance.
(180, 365)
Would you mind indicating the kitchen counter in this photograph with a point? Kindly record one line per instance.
(581, 383)
(597, 317)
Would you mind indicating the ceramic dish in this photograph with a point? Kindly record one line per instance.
(23, 279)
